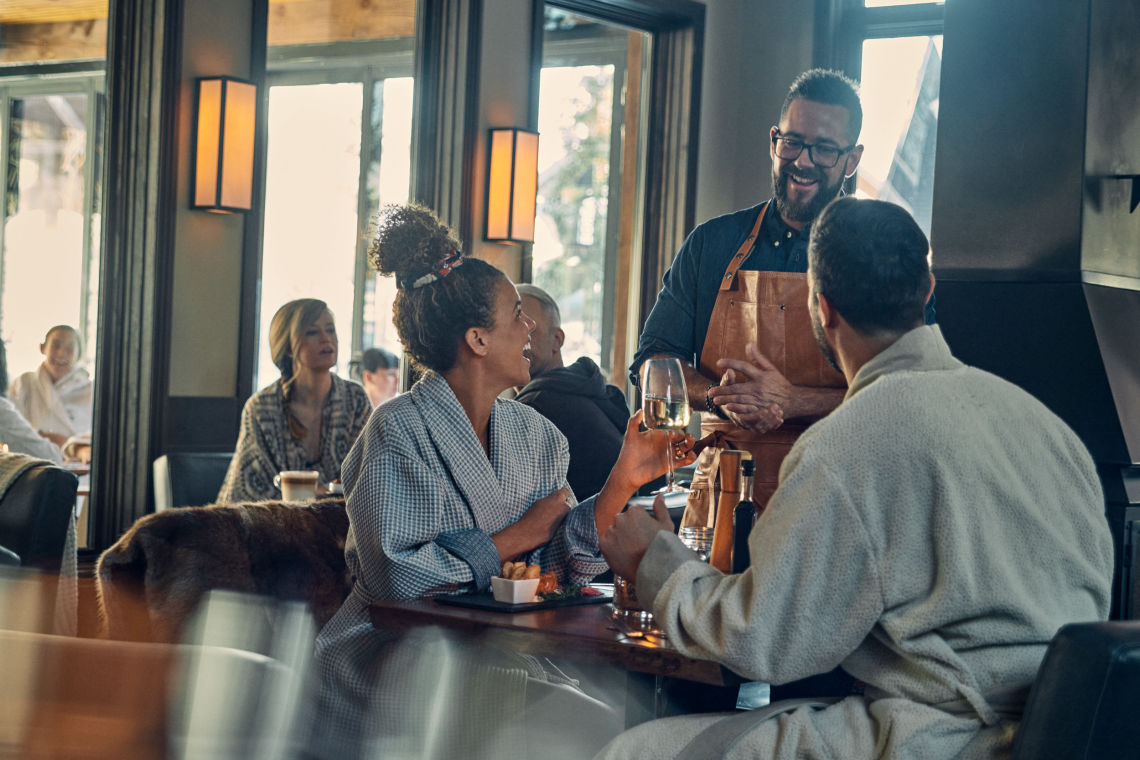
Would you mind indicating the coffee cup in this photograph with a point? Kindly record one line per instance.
(297, 485)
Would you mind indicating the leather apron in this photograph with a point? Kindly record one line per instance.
(770, 309)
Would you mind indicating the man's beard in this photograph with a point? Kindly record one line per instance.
(824, 346)
(803, 212)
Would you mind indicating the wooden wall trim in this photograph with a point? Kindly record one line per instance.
(144, 51)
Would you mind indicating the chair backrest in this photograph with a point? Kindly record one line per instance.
(35, 515)
(1086, 698)
(189, 478)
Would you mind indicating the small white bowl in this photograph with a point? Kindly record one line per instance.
(513, 592)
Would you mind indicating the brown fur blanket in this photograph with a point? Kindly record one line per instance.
(150, 581)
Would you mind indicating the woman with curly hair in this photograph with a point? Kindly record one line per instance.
(446, 483)
(307, 419)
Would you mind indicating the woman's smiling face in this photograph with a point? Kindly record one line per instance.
(510, 337)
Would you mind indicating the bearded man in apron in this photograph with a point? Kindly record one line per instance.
(736, 294)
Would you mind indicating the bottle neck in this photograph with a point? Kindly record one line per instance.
(746, 488)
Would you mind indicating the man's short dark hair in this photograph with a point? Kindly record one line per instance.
(831, 88)
(870, 259)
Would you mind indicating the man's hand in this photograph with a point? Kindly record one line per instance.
(755, 395)
(759, 418)
(627, 540)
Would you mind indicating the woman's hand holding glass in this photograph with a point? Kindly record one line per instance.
(649, 454)
(665, 401)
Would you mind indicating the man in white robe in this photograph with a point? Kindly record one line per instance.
(929, 536)
(56, 397)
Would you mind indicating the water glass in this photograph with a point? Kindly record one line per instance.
(628, 608)
(698, 539)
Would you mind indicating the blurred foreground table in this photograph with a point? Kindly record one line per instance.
(585, 633)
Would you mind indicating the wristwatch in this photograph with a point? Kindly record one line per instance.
(710, 406)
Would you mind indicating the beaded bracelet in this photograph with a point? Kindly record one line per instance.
(710, 406)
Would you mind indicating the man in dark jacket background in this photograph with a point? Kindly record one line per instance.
(591, 414)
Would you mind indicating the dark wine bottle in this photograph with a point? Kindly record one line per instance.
(743, 518)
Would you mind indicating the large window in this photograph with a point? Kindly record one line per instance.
(51, 142)
(339, 146)
(897, 57)
(50, 228)
(589, 117)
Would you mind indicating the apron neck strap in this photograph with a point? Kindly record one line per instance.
(743, 251)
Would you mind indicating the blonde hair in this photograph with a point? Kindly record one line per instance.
(286, 330)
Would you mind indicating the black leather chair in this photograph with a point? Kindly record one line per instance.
(189, 478)
(1085, 702)
(35, 515)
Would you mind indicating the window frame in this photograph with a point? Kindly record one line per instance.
(667, 206)
(843, 25)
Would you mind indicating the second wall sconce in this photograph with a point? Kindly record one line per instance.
(512, 185)
(224, 123)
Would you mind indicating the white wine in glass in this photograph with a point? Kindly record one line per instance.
(665, 402)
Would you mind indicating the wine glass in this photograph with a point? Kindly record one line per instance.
(665, 401)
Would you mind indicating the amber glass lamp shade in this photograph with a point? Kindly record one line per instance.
(512, 185)
(224, 122)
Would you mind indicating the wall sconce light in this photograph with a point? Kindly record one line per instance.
(512, 185)
(223, 144)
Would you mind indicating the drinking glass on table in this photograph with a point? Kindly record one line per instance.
(665, 401)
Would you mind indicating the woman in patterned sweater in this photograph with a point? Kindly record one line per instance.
(306, 420)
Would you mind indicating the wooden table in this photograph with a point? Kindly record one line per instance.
(586, 633)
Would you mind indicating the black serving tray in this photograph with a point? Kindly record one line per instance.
(486, 601)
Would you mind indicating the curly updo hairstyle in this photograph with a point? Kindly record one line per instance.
(409, 242)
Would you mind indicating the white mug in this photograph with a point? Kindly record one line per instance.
(297, 485)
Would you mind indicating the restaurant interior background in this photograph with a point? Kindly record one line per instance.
(1016, 144)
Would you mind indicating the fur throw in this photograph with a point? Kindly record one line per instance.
(150, 581)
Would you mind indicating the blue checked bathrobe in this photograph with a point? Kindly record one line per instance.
(423, 501)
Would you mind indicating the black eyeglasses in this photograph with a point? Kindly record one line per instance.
(822, 155)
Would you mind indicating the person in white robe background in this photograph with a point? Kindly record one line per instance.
(446, 483)
(16, 433)
(56, 397)
(930, 536)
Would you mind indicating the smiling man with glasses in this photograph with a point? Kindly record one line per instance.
(733, 306)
